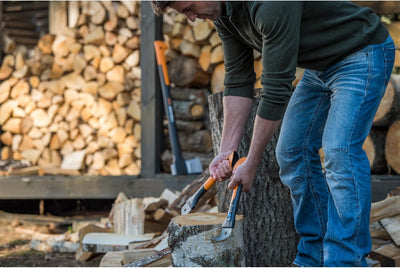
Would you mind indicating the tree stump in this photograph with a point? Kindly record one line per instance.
(190, 239)
(269, 235)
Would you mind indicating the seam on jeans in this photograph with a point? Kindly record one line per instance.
(308, 171)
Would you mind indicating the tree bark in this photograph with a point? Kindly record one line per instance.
(190, 239)
(269, 235)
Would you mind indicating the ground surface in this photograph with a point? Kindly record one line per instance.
(15, 250)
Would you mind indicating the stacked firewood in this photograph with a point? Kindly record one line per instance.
(384, 228)
(74, 100)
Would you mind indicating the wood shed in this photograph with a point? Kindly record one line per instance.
(80, 99)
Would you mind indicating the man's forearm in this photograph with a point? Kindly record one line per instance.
(262, 133)
(236, 113)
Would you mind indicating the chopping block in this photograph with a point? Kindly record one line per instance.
(190, 239)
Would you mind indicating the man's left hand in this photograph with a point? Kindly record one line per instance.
(244, 174)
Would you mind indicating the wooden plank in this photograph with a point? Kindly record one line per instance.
(392, 227)
(158, 255)
(17, 7)
(88, 187)
(57, 16)
(24, 33)
(105, 242)
(388, 255)
(112, 259)
(151, 122)
(388, 207)
(31, 218)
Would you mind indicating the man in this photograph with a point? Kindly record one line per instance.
(348, 56)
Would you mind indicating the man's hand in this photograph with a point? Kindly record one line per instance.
(220, 168)
(244, 174)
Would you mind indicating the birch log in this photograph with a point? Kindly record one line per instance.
(190, 239)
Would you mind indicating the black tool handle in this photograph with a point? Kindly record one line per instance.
(192, 202)
(230, 219)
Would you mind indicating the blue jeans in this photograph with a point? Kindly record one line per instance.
(333, 109)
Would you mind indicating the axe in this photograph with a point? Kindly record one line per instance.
(179, 166)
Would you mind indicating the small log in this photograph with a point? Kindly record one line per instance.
(389, 107)
(188, 110)
(160, 215)
(112, 259)
(190, 240)
(204, 58)
(199, 141)
(5, 71)
(150, 243)
(189, 126)
(386, 208)
(392, 146)
(158, 255)
(388, 255)
(378, 232)
(201, 31)
(24, 171)
(392, 227)
(217, 55)
(158, 203)
(186, 72)
(189, 94)
(217, 79)
(129, 217)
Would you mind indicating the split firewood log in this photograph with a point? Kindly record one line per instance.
(190, 236)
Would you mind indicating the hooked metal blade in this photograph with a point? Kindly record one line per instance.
(185, 209)
(225, 233)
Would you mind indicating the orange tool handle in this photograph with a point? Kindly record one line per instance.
(238, 163)
(160, 48)
(210, 181)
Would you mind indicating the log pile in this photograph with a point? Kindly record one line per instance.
(73, 102)
(384, 228)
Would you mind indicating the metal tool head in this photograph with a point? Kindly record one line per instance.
(194, 166)
(185, 209)
(225, 233)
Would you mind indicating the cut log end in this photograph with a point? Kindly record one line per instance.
(392, 148)
(190, 236)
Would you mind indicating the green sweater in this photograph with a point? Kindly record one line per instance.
(311, 35)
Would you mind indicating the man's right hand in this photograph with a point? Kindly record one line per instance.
(220, 168)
